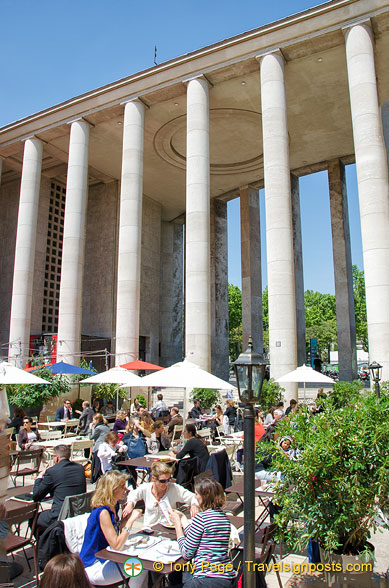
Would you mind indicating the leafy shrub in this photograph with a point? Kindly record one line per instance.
(208, 397)
(271, 394)
(331, 492)
(345, 393)
(142, 400)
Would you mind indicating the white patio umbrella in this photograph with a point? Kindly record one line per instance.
(11, 375)
(185, 375)
(115, 375)
(304, 374)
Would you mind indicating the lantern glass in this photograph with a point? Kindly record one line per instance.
(250, 370)
(375, 371)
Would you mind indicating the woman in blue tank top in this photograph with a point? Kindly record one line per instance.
(103, 530)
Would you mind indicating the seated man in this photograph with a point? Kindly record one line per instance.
(195, 413)
(65, 412)
(108, 409)
(175, 419)
(65, 478)
(86, 417)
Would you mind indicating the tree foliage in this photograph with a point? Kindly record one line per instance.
(234, 321)
(360, 306)
(208, 397)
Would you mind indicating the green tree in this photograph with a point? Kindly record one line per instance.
(360, 307)
(265, 318)
(234, 321)
(320, 318)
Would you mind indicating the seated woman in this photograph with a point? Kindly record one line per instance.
(158, 441)
(104, 529)
(28, 436)
(121, 422)
(108, 449)
(194, 446)
(205, 541)
(160, 496)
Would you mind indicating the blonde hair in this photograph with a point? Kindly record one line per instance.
(121, 414)
(230, 402)
(106, 487)
(159, 468)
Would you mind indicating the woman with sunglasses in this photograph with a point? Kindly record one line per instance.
(160, 496)
(28, 436)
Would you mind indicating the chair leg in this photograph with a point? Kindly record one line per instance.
(36, 571)
(277, 572)
(27, 560)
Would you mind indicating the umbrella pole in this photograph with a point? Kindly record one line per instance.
(304, 393)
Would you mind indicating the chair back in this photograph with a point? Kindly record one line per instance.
(26, 512)
(186, 470)
(177, 432)
(75, 505)
(9, 431)
(50, 418)
(205, 434)
(31, 456)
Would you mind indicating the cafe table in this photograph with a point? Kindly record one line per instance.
(18, 490)
(54, 442)
(147, 556)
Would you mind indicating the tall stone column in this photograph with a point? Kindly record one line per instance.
(219, 289)
(1, 168)
(19, 333)
(250, 247)
(171, 294)
(197, 283)
(279, 225)
(73, 249)
(298, 271)
(130, 234)
(385, 127)
(372, 175)
(341, 248)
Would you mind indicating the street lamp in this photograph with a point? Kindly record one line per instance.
(250, 372)
(375, 375)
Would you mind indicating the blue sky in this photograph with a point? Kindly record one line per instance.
(55, 50)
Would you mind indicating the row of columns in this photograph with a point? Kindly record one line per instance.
(283, 227)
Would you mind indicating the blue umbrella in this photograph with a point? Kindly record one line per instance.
(64, 368)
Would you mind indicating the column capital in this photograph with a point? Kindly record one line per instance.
(365, 22)
(186, 81)
(32, 137)
(275, 51)
(134, 99)
(79, 119)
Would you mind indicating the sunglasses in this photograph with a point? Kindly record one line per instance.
(163, 481)
(25, 422)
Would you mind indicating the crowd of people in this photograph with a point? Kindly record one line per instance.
(114, 503)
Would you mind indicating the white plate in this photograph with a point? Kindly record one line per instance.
(167, 526)
(162, 548)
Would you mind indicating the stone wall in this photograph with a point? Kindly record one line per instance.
(150, 277)
(99, 289)
(9, 206)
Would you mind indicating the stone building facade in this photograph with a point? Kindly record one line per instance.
(113, 222)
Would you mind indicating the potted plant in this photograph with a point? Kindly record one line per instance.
(331, 492)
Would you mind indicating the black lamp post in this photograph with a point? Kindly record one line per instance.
(375, 375)
(249, 371)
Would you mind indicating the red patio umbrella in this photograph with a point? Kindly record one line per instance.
(141, 365)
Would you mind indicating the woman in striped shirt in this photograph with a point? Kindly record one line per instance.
(206, 539)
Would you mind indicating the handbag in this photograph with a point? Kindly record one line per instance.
(135, 446)
(88, 470)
